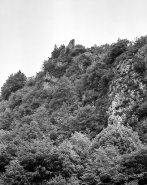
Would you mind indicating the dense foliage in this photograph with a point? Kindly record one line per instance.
(14, 82)
(82, 120)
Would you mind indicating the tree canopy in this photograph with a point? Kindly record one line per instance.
(81, 120)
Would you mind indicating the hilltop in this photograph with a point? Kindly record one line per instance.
(82, 120)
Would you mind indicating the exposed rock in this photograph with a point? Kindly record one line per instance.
(49, 81)
(125, 91)
(71, 44)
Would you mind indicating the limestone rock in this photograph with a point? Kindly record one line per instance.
(71, 44)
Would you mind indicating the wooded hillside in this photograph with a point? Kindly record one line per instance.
(82, 120)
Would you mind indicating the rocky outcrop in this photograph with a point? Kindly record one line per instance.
(49, 81)
(126, 90)
(71, 44)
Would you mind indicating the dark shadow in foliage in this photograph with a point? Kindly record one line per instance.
(56, 67)
(141, 111)
(135, 166)
(5, 158)
(116, 50)
(139, 65)
(79, 49)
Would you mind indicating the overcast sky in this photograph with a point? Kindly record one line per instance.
(29, 29)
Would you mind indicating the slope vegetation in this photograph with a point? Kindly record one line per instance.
(82, 120)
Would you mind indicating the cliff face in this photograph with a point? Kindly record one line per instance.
(128, 88)
(125, 91)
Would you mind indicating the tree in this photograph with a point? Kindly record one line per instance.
(13, 83)
(87, 120)
(121, 137)
(56, 52)
(116, 50)
(135, 165)
(64, 92)
(79, 49)
(81, 143)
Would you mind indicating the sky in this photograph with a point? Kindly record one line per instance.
(29, 29)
